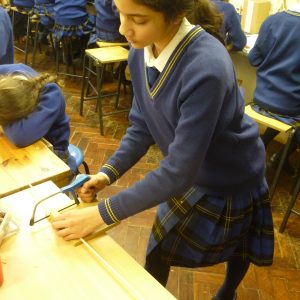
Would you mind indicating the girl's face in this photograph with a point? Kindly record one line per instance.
(143, 26)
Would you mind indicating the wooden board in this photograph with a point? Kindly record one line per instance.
(34, 164)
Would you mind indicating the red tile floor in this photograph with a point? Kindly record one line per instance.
(281, 281)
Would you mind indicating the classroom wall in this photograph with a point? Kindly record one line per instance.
(276, 5)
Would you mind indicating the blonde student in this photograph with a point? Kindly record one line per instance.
(210, 189)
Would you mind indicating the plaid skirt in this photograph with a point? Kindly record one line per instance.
(45, 13)
(85, 28)
(218, 228)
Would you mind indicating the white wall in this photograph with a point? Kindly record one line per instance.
(276, 5)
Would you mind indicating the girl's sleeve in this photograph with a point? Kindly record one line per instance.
(235, 34)
(262, 45)
(134, 145)
(28, 130)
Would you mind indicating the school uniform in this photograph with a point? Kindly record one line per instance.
(232, 31)
(45, 10)
(6, 47)
(71, 19)
(48, 120)
(210, 188)
(27, 4)
(107, 21)
(277, 58)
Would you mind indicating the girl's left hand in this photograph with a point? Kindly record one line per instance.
(77, 223)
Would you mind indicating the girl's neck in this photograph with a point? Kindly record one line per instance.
(158, 47)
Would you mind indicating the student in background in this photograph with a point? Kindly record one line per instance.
(6, 45)
(72, 19)
(212, 196)
(107, 23)
(32, 106)
(276, 54)
(20, 20)
(44, 9)
(234, 37)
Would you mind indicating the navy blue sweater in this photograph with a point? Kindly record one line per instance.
(23, 3)
(48, 120)
(70, 12)
(6, 47)
(107, 16)
(276, 54)
(194, 112)
(232, 30)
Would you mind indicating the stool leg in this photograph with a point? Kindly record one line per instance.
(35, 43)
(292, 201)
(99, 99)
(27, 38)
(281, 163)
(57, 53)
(120, 71)
(83, 83)
(89, 77)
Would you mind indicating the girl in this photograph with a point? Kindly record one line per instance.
(232, 31)
(6, 47)
(277, 58)
(72, 19)
(212, 197)
(32, 106)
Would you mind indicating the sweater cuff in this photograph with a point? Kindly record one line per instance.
(111, 172)
(108, 211)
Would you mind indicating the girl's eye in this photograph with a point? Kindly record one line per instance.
(139, 21)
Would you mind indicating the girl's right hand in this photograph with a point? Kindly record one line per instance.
(88, 192)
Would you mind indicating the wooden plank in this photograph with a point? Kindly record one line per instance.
(34, 164)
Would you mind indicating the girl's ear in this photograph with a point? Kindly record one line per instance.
(177, 20)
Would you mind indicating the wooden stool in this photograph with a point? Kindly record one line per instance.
(100, 58)
(279, 126)
(102, 44)
(65, 45)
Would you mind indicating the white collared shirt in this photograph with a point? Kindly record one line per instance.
(160, 62)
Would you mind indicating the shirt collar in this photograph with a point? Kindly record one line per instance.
(160, 62)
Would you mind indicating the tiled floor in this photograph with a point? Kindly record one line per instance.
(281, 281)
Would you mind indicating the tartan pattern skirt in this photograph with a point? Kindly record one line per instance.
(290, 120)
(218, 228)
(85, 28)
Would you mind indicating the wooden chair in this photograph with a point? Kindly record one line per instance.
(100, 58)
(282, 128)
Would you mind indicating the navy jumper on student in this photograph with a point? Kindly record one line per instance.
(232, 31)
(72, 19)
(6, 46)
(48, 119)
(276, 54)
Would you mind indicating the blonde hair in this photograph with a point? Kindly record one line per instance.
(19, 95)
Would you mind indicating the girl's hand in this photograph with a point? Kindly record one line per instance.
(89, 190)
(77, 223)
